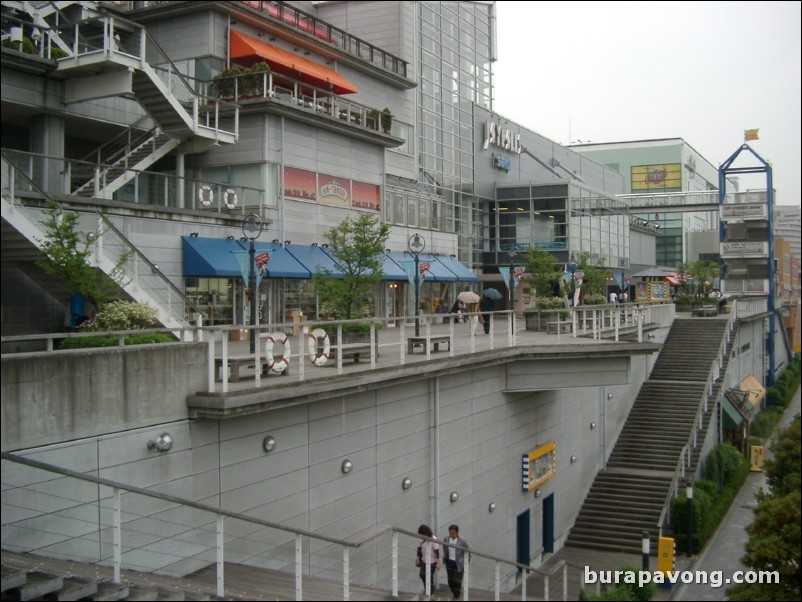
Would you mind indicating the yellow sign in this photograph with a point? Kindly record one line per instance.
(665, 554)
(757, 458)
(750, 135)
(666, 176)
(539, 465)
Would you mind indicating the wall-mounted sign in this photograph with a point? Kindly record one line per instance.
(667, 176)
(745, 248)
(501, 162)
(744, 210)
(500, 137)
(539, 465)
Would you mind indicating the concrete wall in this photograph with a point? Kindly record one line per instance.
(55, 397)
(456, 433)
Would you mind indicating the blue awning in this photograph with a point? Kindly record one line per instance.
(213, 258)
(462, 273)
(438, 272)
(392, 271)
(313, 258)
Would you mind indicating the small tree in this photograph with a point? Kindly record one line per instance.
(703, 271)
(541, 272)
(356, 245)
(66, 254)
(595, 278)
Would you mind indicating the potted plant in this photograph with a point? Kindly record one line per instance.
(224, 84)
(546, 311)
(253, 81)
(386, 120)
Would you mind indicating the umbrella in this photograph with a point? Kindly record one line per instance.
(468, 297)
(493, 294)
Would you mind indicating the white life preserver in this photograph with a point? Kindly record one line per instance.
(311, 345)
(277, 366)
(230, 198)
(205, 195)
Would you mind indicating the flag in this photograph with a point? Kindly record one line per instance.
(750, 135)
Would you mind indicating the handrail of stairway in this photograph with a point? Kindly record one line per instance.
(712, 376)
(190, 184)
(131, 248)
(122, 141)
(220, 513)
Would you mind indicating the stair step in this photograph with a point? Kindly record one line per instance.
(106, 590)
(38, 585)
(77, 588)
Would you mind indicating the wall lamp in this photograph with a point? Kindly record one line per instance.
(162, 443)
(325, 245)
(609, 396)
(276, 241)
(269, 443)
(347, 466)
(314, 244)
(406, 483)
(90, 236)
(491, 506)
(592, 425)
(453, 497)
(193, 235)
(538, 493)
(272, 38)
(155, 268)
(287, 242)
(230, 237)
(573, 459)
(387, 251)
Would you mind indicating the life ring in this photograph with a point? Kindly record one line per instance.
(205, 195)
(230, 198)
(311, 345)
(277, 366)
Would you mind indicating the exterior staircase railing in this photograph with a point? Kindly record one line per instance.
(141, 278)
(210, 534)
(685, 457)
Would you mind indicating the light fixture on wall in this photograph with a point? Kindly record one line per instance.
(347, 466)
(592, 425)
(325, 245)
(90, 236)
(276, 241)
(538, 493)
(406, 483)
(453, 497)
(287, 242)
(272, 38)
(491, 507)
(193, 235)
(573, 459)
(609, 396)
(314, 244)
(162, 443)
(230, 237)
(155, 268)
(269, 443)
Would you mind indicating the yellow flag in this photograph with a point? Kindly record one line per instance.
(750, 135)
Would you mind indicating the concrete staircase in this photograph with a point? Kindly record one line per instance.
(628, 497)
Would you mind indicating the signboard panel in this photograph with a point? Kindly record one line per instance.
(539, 465)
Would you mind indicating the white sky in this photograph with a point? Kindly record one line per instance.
(619, 71)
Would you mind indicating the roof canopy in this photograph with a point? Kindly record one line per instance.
(247, 50)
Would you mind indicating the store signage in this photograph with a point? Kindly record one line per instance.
(539, 465)
(501, 162)
(744, 210)
(500, 137)
(738, 249)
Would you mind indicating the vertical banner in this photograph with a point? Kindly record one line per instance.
(260, 268)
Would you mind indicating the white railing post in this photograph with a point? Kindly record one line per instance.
(565, 582)
(221, 589)
(451, 336)
(225, 360)
(302, 340)
(428, 336)
(117, 535)
(346, 574)
(299, 568)
(466, 578)
(523, 585)
(575, 322)
(402, 358)
(497, 587)
(394, 559)
(210, 356)
(546, 587)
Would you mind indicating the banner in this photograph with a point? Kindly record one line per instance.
(260, 268)
(517, 273)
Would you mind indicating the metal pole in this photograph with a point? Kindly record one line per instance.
(645, 551)
(252, 288)
(512, 288)
(689, 495)
(417, 295)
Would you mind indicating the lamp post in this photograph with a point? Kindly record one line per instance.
(689, 496)
(252, 228)
(416, 244)
(511, 285)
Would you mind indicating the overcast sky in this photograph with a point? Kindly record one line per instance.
(618, 71)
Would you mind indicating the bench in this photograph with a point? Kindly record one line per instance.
(351, 350)
(705, 311)
(237, 361)
(435, 340)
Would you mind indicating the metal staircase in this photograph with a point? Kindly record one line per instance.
(141, 279)
(673, 408)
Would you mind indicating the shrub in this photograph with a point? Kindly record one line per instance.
(594, 299)
(110, 341)
(548, 303)
(126, 315)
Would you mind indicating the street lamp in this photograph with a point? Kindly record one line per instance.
(511, 285)
(416, 244)
(252, 228)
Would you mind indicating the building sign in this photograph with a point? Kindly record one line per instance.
(299, 184)
(744, 210)
(503, 138)
(333, 190)
(743, 249)
(539, 465)
(666, 176)
(365, 196)
(501, 162)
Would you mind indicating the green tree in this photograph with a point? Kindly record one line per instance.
(775, 535)
(356, 245)
(541, 272)
(66, 254)
(595, 278)
(703, 271)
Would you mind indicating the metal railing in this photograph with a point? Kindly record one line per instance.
(55, 175)
(106, 521)
(600, 320)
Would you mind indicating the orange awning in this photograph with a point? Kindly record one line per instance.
(247, 50)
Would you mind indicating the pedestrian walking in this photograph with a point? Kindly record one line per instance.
(455, 560)
(428, 558)
(486, 305)
(613, 298)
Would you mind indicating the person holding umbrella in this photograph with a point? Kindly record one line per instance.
(488, 304)
(466, 297)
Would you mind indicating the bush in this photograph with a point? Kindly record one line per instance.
(548, 303)
(126, 315)
(594, 299)
(110, 341)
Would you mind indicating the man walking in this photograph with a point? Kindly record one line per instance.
(455, 560)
